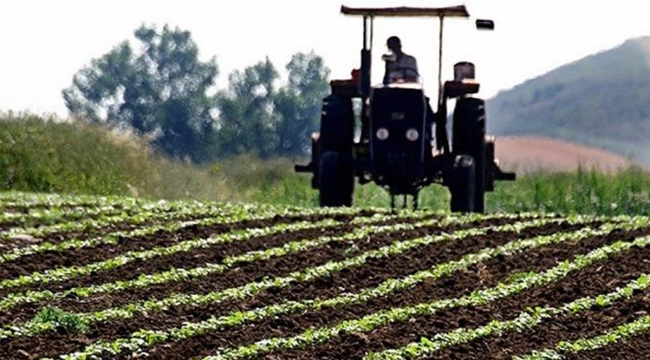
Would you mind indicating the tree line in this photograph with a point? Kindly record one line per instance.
(162, 90)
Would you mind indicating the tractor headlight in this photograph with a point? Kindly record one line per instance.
(412, 134)
(382, 134)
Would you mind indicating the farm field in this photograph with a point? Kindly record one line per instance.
(119, 278)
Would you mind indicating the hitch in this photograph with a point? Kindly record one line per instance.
(504, 176)
(309, 168)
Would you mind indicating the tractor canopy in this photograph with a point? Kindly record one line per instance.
(404, 11)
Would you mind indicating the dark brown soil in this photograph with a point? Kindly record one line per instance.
(463, 283)
(636, 347)
(236, 276)
(598, 278)
(350, 280)
(83, 256)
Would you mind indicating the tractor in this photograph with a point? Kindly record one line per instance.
(388, 134)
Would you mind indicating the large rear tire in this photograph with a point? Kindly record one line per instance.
(336, 180)
(468, 137)
(463, 187)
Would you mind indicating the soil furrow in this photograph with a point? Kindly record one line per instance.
(571, 327)
(234, 277)
(181, 260)
(240, 275)
(595, 279)
(463, 283)
(636, 347)
(88, 232)
(83, 256)
(176, 316)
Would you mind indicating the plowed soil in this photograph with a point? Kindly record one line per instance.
(599, 278)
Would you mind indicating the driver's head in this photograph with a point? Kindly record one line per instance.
(394, 44)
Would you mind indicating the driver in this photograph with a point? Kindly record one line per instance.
(400, 67)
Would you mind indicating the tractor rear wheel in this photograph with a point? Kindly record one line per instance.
(462, 186)
(336, 180)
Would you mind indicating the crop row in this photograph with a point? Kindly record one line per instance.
(146, 338)
(68, 273)
(518, 285)
(167, 217)
(60, 214)
(175, 275)
(165, 210)
(526, 320)
(24, 200)
(228, 262)
(477, 298)
(612, 336)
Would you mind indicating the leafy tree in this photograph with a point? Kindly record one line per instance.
(247, 119)
(299, 103)
(161, 91)
(255, 117)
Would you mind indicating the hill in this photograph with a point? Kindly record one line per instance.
(602, 101)
(531, 153)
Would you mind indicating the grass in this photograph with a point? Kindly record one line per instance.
(49, 155)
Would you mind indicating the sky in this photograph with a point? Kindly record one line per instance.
(43, 43)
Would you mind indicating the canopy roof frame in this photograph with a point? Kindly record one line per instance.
(369, 14)
(406, 11)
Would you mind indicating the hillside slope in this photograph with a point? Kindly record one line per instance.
(602, 100)
(532, 153)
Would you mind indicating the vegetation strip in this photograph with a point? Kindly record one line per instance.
(55, 215)
(477, 298)
(426, 346)
(28, 200)
(196, 209)
(217, 330)
(162, 210)
(69, 273)
(107, 239)
(130, 310)
(526, 320)
(612, 336)
(210, 269)
(250, 289)
(212, 215)
(345, 306)
(147, 209)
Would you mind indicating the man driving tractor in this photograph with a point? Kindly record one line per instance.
(400, 67)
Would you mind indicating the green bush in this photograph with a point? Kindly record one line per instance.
(49, 155)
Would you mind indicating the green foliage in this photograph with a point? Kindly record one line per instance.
(61, 320)
(299, 103)
(247, 120)
(583, 191)
(48, 155)
(256, 117)
(160, 91)
(602, 100)
(44, 155)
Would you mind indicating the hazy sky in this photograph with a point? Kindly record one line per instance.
(43, 43)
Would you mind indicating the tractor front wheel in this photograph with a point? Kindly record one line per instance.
(463, 186)
(336, 180)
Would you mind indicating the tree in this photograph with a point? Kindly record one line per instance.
(161, 91)
(255, 117)
(247, 120)
(299, 103)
